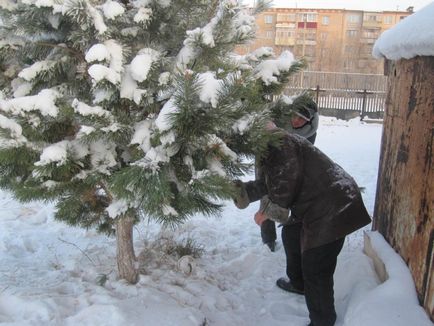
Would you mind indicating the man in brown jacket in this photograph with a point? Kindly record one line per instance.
(299, 177)
(304, 122)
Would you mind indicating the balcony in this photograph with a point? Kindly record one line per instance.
(286, 25)
(306, 42)
(307, 25)
(371, 24)
(368, 40)
(284, 18)
(285, 41)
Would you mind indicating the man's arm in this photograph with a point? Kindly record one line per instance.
(274, 212)
(248, 192)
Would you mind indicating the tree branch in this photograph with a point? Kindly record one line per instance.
(73, 244)
(77, 54)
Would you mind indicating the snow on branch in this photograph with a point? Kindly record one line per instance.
(129, 88)
(117, 208)
(269, 69)
(14, 128)
(57, 152)
(210, 88)
(112, 9)
(197, 37)
(143, 15)
(98, 19)
(142, 135)
(163, 121)
(44, 102)
(31, 72)
(86, 110)
(142, 63)
(110, 51)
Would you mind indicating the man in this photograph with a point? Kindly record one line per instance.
(299, 177)
(303, 121)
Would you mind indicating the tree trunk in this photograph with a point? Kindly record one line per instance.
(125, 256)
(404, 206)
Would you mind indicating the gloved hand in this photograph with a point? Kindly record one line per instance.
(275, 212)
(241, 199)
(260, 217)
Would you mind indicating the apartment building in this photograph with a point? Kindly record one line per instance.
(329, 39)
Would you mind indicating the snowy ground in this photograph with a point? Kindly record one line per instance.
(49, 272)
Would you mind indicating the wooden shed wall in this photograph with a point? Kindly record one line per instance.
(404, 201)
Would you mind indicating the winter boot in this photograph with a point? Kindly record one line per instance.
(287, 286)
(271, 245)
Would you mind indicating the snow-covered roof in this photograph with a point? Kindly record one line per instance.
(413, 36)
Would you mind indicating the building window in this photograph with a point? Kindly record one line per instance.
(307, 17)
(291, 17)
(353, 18)
(309, 50)
(286, 17)
(367, 51)
(268, 19)
(351, 33)
(388, 20)
(371, 18)
(349, 49)
(311, 18)
(324, 35)
(370, 33)
(269, 34)
(285, 34)
(307, 35)
(325, 20)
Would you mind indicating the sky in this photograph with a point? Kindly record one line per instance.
(53, 274)
(372, 5)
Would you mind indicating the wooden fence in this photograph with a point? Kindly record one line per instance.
(343, 95)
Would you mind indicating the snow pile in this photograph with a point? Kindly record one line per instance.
(395, 300)
(413, 36)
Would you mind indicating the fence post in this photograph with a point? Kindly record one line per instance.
(362, 114)
(317, 90)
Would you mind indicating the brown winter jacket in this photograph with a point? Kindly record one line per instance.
(299, 177)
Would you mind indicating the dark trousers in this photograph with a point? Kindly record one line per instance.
(268, 231)
(313, 270)
(291, 243)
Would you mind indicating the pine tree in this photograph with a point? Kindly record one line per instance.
(119, 110)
